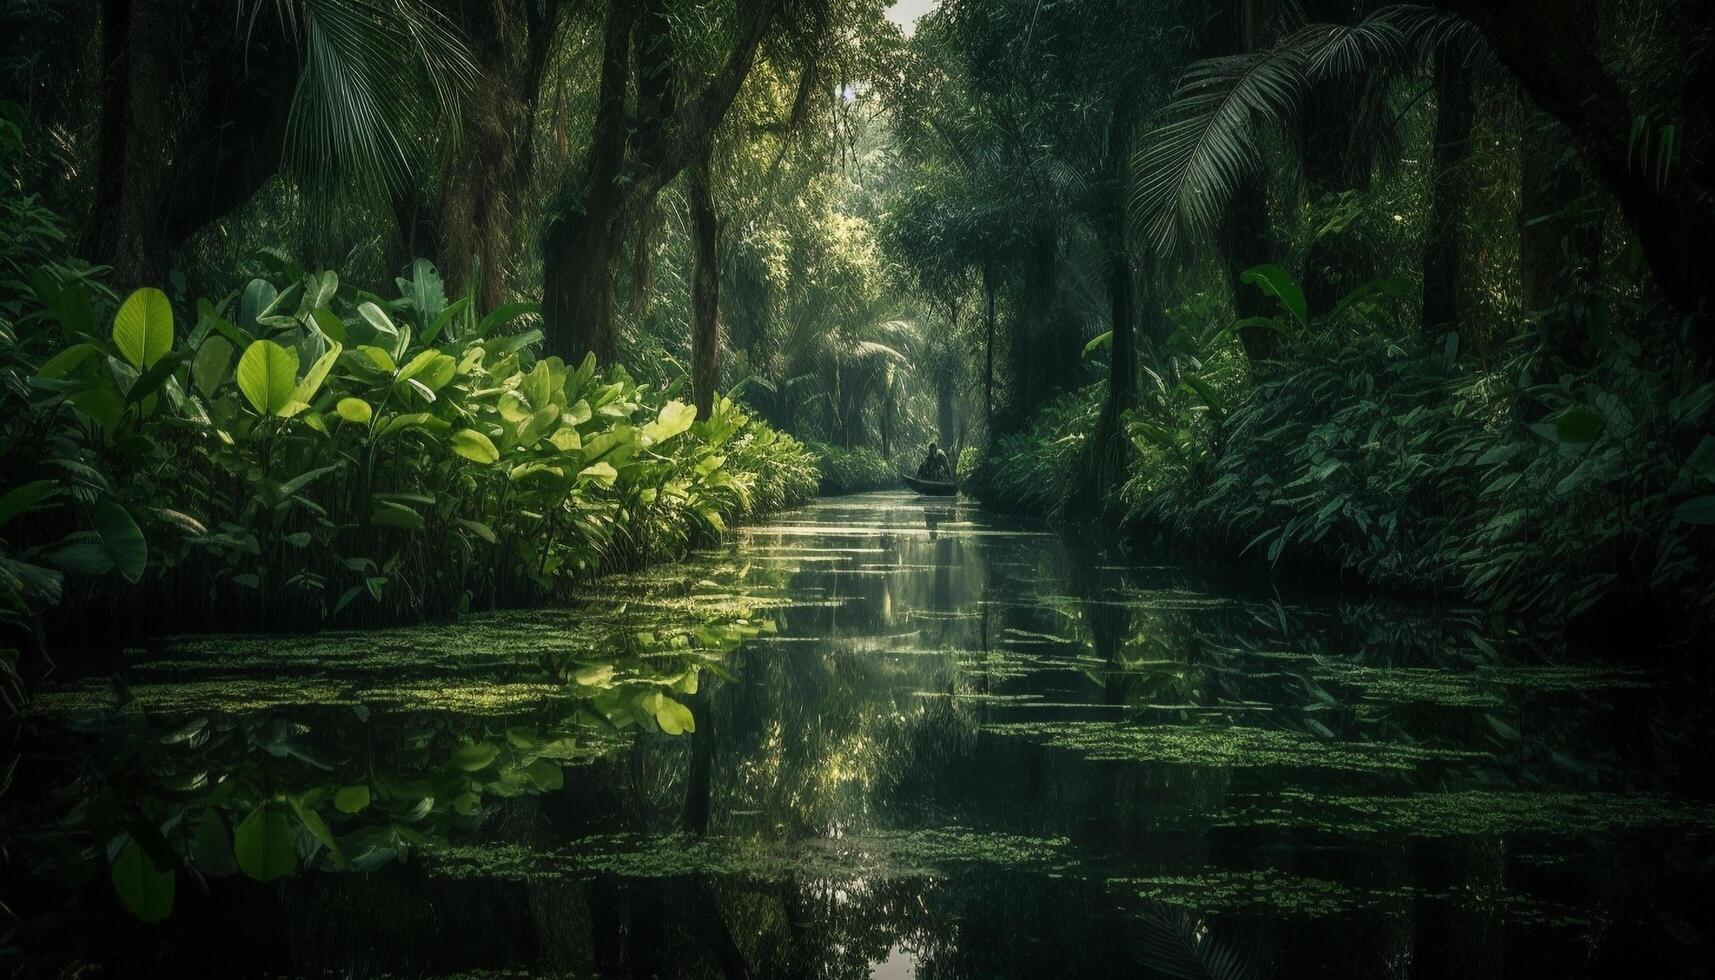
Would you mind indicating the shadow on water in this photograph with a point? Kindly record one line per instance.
(927, 741)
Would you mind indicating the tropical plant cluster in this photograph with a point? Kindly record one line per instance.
(314, 452)
(854, 469)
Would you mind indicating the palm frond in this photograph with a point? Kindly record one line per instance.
(371, 72)
(1189, 166)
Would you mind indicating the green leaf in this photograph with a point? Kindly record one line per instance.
(121, 539)
(264, 844)
(380, 322)
(267, 373)
(674, 718)
(503, 314)
(390, 514)
(259, 294)
(675, 417)
(306, 389)
(22, 498)
(143, 327)
(473, 758)
(600, 472)
(354, 410)
(1103, 339)
(209, 368)
(1273, 280)
(351, 799)
(1578, 425)
(145, 889)
(475, 446)
(1697, 510)
(547, 774)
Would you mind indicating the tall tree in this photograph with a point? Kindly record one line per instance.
(632, 156)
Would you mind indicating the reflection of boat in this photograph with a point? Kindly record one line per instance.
(934, 488)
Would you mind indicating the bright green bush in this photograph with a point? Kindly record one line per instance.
(853, 470)
(321, 451)
(1033, 471)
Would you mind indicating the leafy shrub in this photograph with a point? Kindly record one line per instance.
(321, 451)
(1032, 471)
(853, 470)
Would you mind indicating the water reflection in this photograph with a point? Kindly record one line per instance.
(963, 748)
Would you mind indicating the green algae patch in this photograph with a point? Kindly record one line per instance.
(1484, 812)
(1421, 685)
(1265, 889)
(1292, 896)
(1232, 746)
(879, 855)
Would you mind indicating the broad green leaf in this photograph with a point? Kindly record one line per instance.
(208, 369)
(503, 314)
(122, 540)
(267, 373)
(66, 361)
(377, 318)
(351, 799)
(1578, 425)
(473, 758)
(328, 323)
(143, 327)
(145, 889)
(389, 514)
(1697, 510)
(21, 498)
(1103, 339)
(264, 844)
(1272, 279)
(306, 389)
(674, 418)
(475, 446)
(546, 774)
(354, 410)
(259, 295)
(674, 718)
(600, 472)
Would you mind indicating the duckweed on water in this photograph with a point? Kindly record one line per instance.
(1483, 812)
(882, 854)
(1237, 891)
(1234, 746)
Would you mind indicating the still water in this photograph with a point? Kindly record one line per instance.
(928, 741)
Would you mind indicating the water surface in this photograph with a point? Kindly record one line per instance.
(928, 741)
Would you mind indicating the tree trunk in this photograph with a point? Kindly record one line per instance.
(1443, 298)
(164, 176)
(580, 250)
(705, 290)
(138, 43)
(1037, 365)
(482, 197)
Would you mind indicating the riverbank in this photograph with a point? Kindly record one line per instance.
(1574, 505)
(307, 453)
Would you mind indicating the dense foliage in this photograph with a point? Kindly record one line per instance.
(317, 452)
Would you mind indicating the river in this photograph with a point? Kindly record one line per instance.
(928, 741)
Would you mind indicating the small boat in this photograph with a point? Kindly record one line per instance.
(931, 488)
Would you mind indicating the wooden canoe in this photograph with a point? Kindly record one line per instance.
(932, 488)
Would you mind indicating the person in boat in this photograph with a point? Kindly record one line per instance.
(935, 466)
